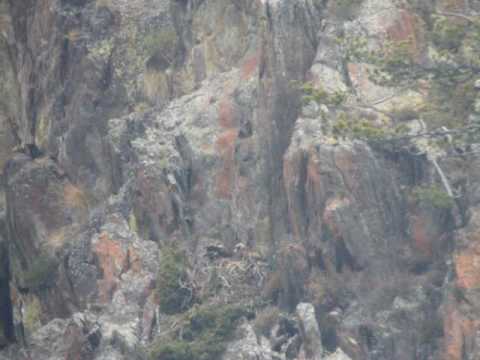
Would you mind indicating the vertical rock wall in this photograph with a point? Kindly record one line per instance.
(127, 127)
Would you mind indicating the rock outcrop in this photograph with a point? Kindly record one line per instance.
(128, 127)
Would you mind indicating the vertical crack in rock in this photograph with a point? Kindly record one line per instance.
(130, 129)
(7, 332)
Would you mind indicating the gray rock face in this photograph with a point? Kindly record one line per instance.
(247, 347)
(338, 355)
(127, 127)
(312, 337)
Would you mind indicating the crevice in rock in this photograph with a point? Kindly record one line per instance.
(329, 339)
(367, 336)
(6, 308)
(343, 257)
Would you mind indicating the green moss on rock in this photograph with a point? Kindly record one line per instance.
(204, 336)
(172, 282)
(40, 273)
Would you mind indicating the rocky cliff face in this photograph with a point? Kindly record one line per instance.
(168, 195)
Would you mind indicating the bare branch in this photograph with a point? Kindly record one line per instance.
(459, 15)
(443, 178)
(437, 133)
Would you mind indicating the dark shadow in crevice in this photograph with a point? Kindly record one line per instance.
(6, 311)
(343, 257)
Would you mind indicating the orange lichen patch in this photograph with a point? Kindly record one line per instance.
(457, 329)
(406, 28)
(112, 260)
(422, 240)
(329, 214)
(134, 260)
(225, 178)
(74, 197)
(225, 113)
(467, 266)
(249, 67)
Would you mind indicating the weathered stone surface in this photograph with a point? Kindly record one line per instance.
(246, 347)
(312, 339)
(127, 126)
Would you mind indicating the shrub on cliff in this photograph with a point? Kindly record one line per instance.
(173, 286)
(39, 273)
(433, 196)
(203, 336)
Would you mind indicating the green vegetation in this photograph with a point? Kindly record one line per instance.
(160, 48)
(40, 273)
(433, 196)
(321, 96)
(173, 287)
(203, 336)
(363, 129)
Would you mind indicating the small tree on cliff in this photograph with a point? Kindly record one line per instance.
(450, 75)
